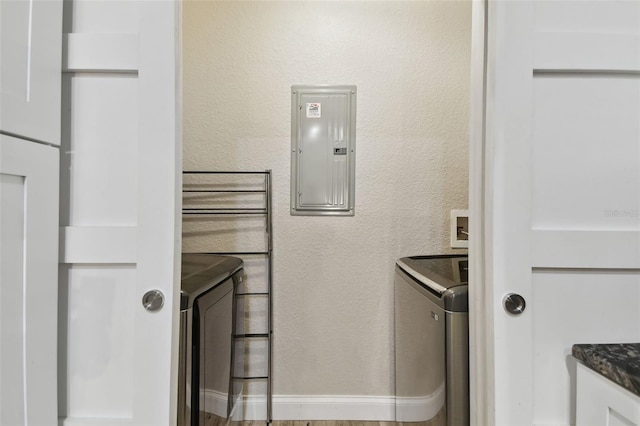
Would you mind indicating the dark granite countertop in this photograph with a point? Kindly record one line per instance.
(619, 362)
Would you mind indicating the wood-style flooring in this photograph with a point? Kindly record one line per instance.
(213, 420)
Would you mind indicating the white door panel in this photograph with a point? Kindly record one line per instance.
(586, 151)
(30, 40)
(561, 197)
(104, 17)
(591, 16)
(101, 303)
(28, 282)
(12, 300)
(100, 137)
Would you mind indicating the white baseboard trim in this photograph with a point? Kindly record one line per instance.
(285, 407)
(334, 407)
(215, 402)
(83, 421)
(307, 407)
(420, 408)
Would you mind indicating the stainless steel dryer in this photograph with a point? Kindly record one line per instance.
(208, 319)
(432, 340)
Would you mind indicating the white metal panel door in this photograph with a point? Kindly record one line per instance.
(120, 213)
(562, 196)
(28, 282)
(30, 40)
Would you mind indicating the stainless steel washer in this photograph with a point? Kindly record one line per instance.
(432, 340)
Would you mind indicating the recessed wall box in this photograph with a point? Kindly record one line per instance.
(323, 150)
(459, 228)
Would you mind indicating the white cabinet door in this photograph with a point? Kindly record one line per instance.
(601, 402)
(562, 198)
(30, 59)
(28, 282)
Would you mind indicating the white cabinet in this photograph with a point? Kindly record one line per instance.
(601, 402)
(30, 61)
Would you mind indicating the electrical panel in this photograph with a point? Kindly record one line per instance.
(323, 142)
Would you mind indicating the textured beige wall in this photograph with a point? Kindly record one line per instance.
(333, 277)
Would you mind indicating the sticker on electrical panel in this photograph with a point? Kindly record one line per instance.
(314, 110)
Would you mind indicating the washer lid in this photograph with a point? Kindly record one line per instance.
(439, 272)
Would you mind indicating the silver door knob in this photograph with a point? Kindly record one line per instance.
(514, 303)
(153, 300)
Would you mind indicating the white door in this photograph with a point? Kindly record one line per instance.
(120, 224)
(561, 205)
(28, 282)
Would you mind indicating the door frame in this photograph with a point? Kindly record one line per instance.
(481, 354)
